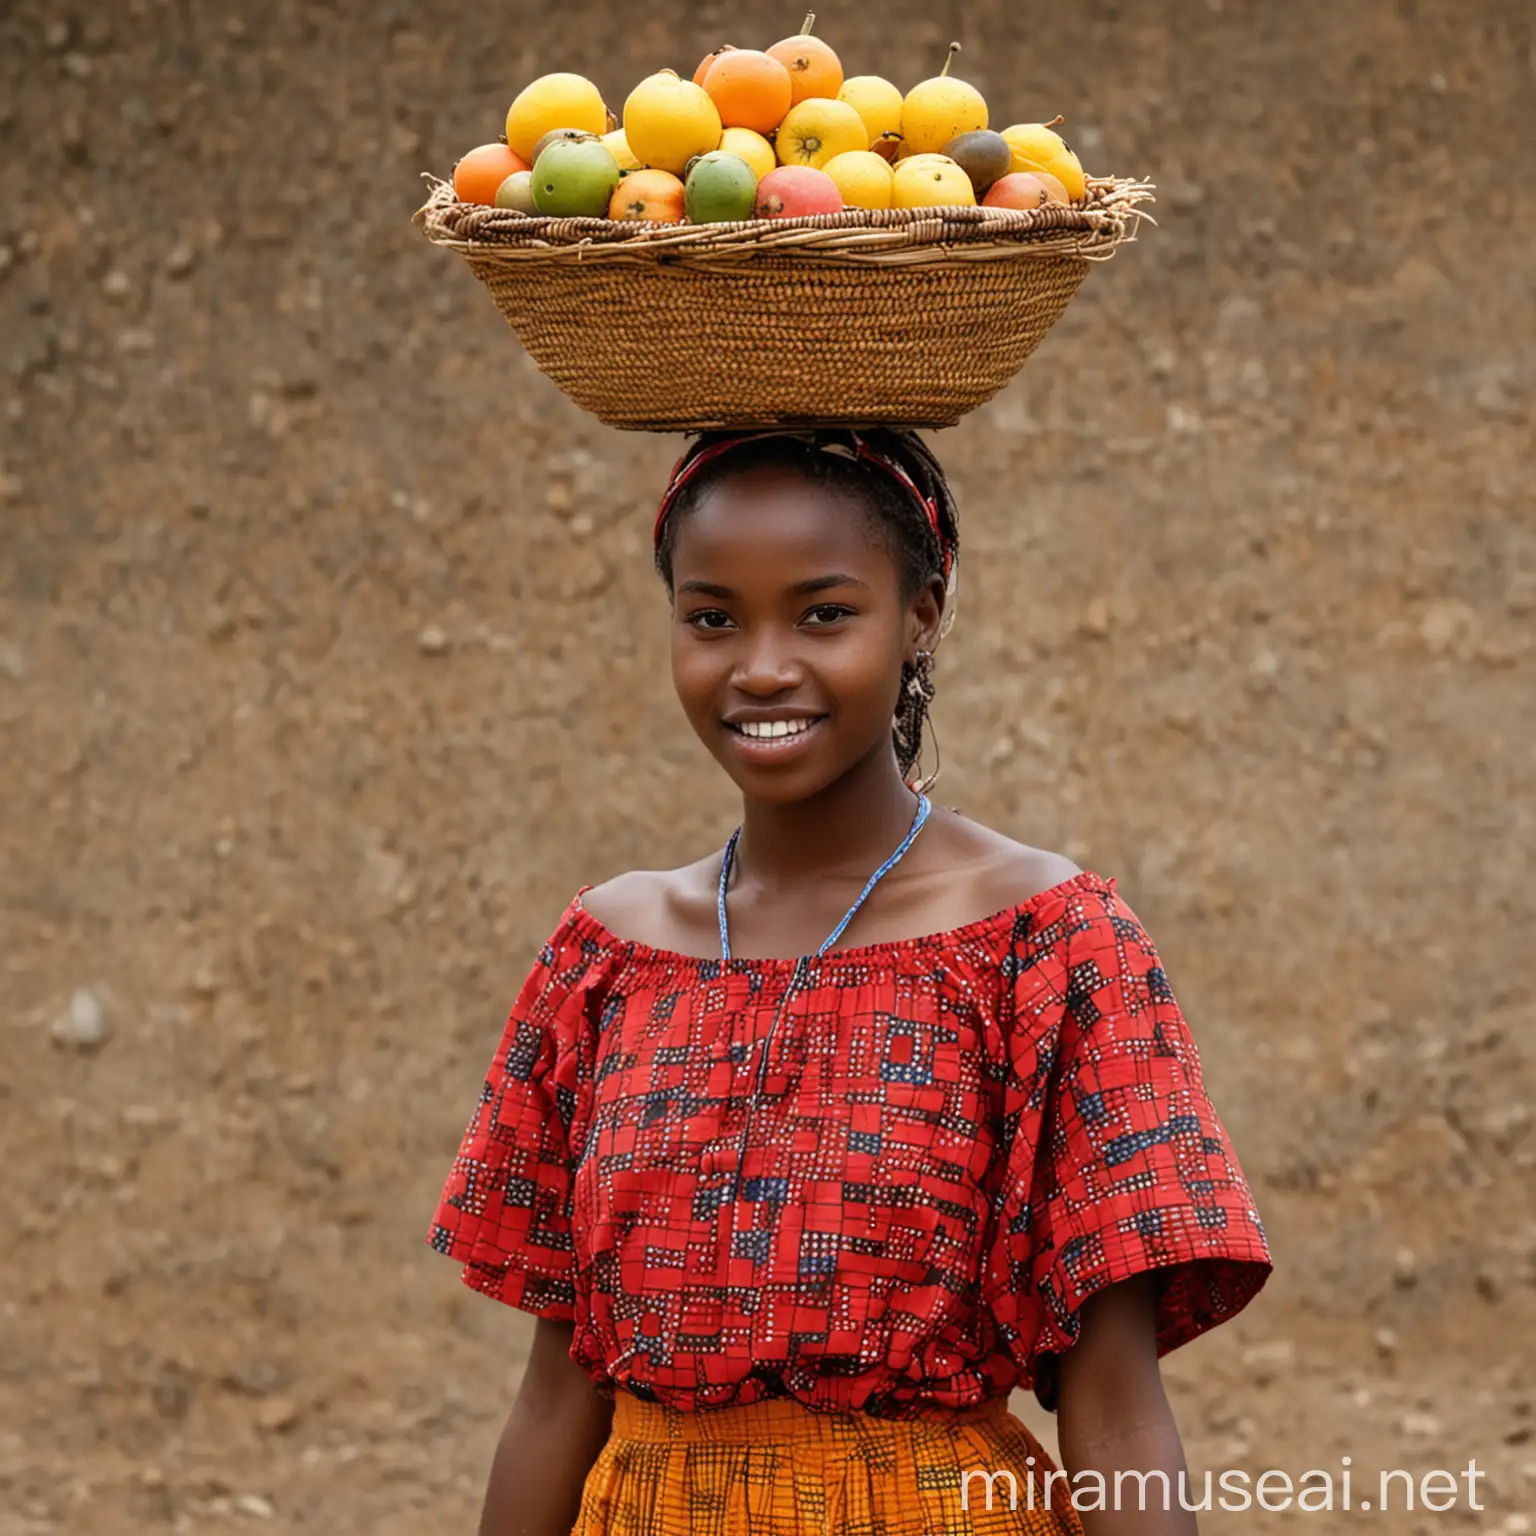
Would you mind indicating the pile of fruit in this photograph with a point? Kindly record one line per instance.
(778, 134)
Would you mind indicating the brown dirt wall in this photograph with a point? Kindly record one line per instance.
(331, 663)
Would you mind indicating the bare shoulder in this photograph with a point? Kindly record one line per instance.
(998, 871)
(653, 906)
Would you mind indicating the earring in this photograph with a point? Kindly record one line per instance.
(920, 687)
(918, 683)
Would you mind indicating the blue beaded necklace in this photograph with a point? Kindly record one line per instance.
(802, 971)
(837, 933)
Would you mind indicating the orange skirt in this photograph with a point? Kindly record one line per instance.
(775, 1468)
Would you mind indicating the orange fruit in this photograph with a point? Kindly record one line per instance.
(814, 69)
(708, 59)
(655, 196)
(477, 176)
(751, 89)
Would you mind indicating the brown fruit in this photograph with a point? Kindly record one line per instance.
(983, 155)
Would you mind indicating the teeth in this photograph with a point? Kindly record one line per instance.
(768, 728)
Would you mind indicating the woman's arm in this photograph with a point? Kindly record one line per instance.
(557, 1426)
(1113, 1417)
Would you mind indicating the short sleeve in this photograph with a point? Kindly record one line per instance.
(1118, 1162)
(505, 1211)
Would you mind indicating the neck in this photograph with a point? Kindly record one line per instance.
(851, 826)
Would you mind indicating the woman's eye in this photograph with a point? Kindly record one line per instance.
(716, 619)
(828, 613)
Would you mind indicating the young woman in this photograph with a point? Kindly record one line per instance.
(806, 1153)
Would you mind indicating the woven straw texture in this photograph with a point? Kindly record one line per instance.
(903, 317)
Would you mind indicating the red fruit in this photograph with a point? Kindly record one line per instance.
(797, 192)
(1025, 189)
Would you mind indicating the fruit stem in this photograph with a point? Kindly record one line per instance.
(1054, 122)
(810, 21)
(954, 48)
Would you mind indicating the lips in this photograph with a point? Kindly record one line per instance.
(773, 740)
(766, 730)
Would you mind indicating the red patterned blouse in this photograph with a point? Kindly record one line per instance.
(950, 1143)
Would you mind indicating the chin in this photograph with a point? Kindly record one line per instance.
(787, 783)
(786, 787)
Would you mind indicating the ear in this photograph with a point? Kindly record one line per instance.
(925, 616)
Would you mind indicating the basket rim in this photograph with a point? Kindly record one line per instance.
(1110, 218)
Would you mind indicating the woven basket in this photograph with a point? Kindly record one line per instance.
(905, 317)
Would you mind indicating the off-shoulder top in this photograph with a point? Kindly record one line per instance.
(889, 1191)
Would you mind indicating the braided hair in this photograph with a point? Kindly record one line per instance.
(893, 514)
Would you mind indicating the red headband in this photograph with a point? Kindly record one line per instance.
(855, 446)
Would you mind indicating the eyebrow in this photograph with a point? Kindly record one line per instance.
(800, 588)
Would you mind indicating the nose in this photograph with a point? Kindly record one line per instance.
(766, 665)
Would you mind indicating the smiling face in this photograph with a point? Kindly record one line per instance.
(789, 630)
